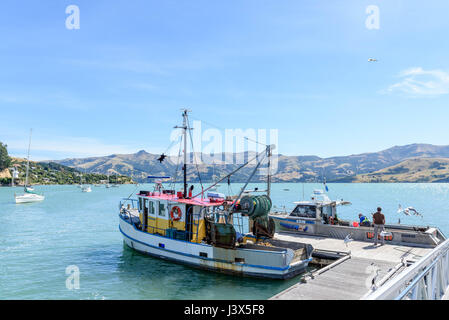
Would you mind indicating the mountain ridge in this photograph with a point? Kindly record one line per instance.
(302, 168)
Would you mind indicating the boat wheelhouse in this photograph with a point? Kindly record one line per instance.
(318, 217)
(230, 234)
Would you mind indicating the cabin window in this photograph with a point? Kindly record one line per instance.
(152, 207)
(326, 211)
(161, 209)
(304, 211)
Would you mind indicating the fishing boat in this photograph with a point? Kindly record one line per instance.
(318, 217)
(29, 195)
(211, 231)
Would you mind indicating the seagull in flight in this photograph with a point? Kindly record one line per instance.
(372, 60)
(409, 210)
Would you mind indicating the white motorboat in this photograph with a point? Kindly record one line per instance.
(318, 217)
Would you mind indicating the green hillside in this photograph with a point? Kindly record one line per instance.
(53, 173)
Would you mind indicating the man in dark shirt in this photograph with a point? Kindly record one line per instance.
(379, 223)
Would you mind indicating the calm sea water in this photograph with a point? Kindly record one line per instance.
(39, 241)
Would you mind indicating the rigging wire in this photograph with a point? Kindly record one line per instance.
(177, 164)
(261, 154)
(223, 129)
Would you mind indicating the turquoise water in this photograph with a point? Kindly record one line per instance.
(39, 241)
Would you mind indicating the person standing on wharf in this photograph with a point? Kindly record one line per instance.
(379, 223)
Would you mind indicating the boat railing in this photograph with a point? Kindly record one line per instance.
(426, 279)
(125, 201)
(125, 205)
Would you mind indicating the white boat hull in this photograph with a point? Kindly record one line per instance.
(258, 263)
(86, 189)
(29, 197)
(399, 234)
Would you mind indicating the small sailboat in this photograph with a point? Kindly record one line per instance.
(84, 188)
(108, 185)
(29, 195)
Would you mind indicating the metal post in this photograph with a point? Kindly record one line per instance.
(269, 171)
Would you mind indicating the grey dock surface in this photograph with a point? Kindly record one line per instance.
(350, 277)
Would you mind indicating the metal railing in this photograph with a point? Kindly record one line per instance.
(426, 279)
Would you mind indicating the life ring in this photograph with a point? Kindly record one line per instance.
(175, 213)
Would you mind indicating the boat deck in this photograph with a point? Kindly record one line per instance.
(349, 277)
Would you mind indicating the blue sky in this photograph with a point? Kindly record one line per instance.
(117, 84)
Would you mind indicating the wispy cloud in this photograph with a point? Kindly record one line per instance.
(417, 82)
(43, 147)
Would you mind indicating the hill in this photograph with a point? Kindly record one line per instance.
(289, 168)
(411, 170)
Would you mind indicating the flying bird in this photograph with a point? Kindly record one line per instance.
(372, 60)
(161, 158)
(409, 210)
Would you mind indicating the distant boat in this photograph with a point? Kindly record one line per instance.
(84, 188)
(29, 195)
(108, 185)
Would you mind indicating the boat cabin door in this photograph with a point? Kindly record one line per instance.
(144, 214)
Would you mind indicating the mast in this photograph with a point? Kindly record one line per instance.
(184, 128)
(184, 123)
(28, 161)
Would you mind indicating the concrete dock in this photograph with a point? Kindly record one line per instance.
(351, 276)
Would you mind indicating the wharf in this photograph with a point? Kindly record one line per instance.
(351, 276)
